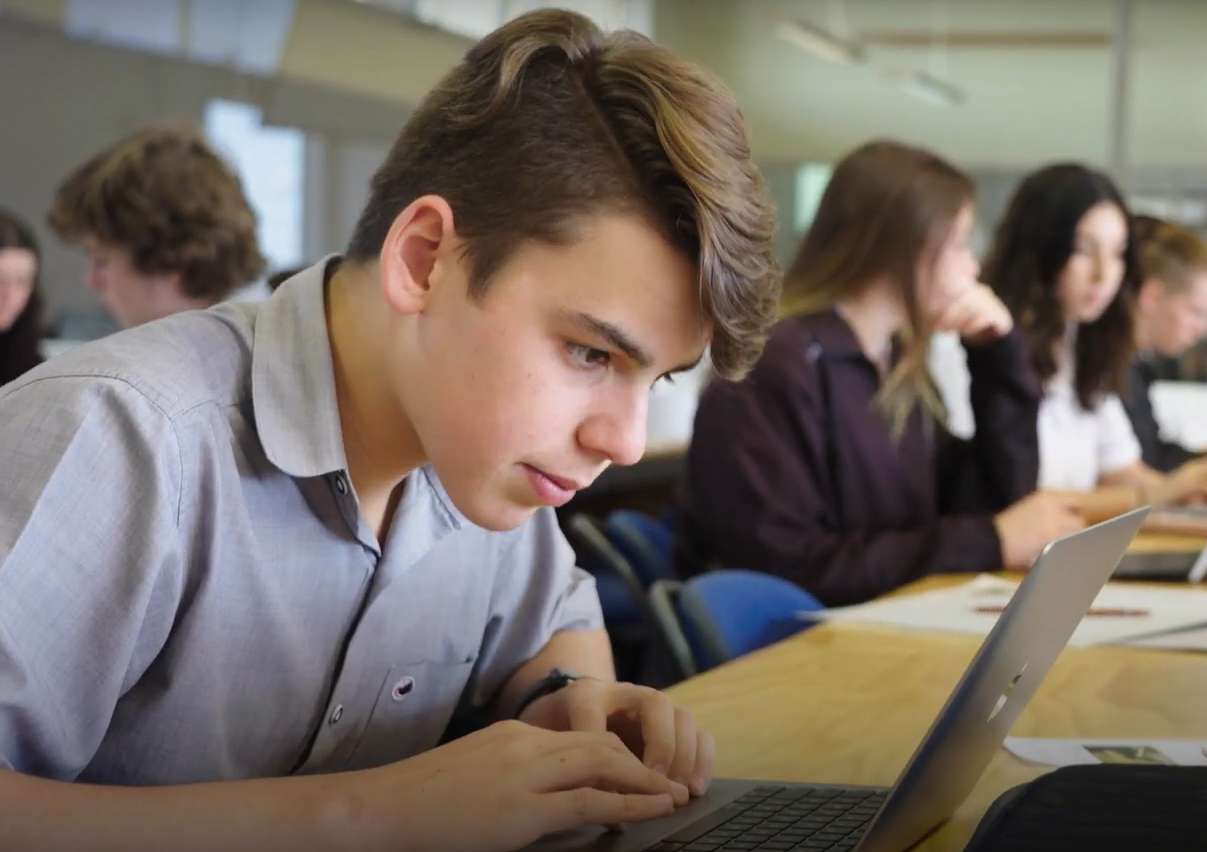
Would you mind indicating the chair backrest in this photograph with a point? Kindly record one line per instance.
(725, 614)
(622, 596)
(664, 605)
(648, 544)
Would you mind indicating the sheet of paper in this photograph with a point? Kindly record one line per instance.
(1191, 639)
(1121, 611)
(1075, 752)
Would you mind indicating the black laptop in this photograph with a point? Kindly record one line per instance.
(1178, 567)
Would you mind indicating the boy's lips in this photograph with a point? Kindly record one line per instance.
(551, 488)
(562, 481)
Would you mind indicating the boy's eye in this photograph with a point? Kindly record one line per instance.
(588, 356)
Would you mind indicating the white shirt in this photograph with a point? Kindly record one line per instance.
(1077, 447)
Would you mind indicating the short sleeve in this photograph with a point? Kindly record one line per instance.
(1118, 447)
(538, 592)
(88, 516)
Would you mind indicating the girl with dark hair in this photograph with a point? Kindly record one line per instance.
(1065, 262)
(20, 304)
(830, 464)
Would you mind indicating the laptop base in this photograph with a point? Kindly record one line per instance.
(712, 812)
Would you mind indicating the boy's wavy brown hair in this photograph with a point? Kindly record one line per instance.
(165, 197)
(547, 121)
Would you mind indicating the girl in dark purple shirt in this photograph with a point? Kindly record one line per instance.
(830, 464)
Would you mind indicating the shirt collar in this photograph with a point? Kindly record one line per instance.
(297, 413)
(836, 337)
(293, 381)
(424, 516)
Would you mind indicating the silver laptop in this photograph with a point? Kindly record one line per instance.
(1002, 677)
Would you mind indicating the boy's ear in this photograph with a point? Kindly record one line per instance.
(418, 237)
(1149, 294)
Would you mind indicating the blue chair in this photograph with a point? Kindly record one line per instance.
(622, 595)
(664, 603)
(648, 544)
(715, 617)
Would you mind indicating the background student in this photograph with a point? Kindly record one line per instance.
(165, 224)
(1171, 317)
(1065, 261)
(257, 562)
(829, 464)
(20, 302)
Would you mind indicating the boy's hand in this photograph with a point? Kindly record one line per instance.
(507, 785)
(646, 720)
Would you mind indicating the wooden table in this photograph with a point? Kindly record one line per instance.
(845, 703)
(1147, 542)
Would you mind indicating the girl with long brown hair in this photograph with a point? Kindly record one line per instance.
(830, 464)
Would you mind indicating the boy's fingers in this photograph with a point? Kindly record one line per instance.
(706, 749)
(602, 765)
(686, 741)
(588, 806)
(657, 717)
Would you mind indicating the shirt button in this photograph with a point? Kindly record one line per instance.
(403, 688)
(336, 714)
(341, 484)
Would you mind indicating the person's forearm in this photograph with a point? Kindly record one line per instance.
(1106, 501)
(1118, 491)
(320, 812)
(585, 652)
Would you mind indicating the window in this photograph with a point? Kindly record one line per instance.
(270, 162)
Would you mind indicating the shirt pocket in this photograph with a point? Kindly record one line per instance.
(413, 707)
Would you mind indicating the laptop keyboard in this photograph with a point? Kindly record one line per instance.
(781, 819)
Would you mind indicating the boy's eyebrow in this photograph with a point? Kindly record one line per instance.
(617, 336)
(612, 333)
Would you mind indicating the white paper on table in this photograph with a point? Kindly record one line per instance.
(1191, 639)
(954, 608)
(1089, 750)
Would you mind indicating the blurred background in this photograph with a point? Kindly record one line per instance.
(305, 96)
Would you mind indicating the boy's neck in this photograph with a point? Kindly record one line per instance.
(380, 445)
(1143, 336)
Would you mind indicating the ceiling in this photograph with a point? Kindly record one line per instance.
(1022, 103)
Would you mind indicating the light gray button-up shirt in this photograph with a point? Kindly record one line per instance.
(188, 591)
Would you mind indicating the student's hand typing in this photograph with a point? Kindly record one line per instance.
(1186, 484)
(646, 720)
(977, 315)
(505, 786)
(1027, 526)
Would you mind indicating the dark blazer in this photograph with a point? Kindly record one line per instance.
(1157, 453)
(794, 471)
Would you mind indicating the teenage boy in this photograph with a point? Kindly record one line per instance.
(287, 548)
(165, 224)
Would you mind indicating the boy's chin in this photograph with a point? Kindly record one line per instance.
(498, 515)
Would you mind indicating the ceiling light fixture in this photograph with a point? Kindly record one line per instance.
(935, 90)
(820, 42)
